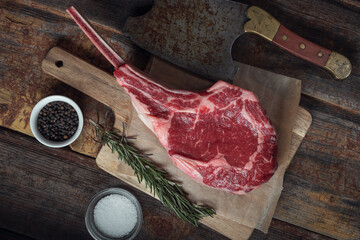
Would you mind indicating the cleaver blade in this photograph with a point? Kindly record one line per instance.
(196, 35)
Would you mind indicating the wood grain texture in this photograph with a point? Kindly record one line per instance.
(322, 184)
(102, 86)
(98, 84)
(9, 235)
(21, 89)
(281, 231)
(333, 25)
(107, 161)
(292, 43)
(38, 202)
(169, 75)
(44, 194)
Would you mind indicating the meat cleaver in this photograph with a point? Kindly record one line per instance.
(198, 35)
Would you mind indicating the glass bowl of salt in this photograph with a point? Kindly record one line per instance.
(113, 213)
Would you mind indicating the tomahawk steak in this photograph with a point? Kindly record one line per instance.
(220, 137)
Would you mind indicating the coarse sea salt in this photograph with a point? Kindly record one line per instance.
(115, 215)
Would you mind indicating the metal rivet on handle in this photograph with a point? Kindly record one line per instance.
(284, 37)
(320, 54)
(302, 46)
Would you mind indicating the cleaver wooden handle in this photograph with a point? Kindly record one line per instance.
(263, 24)
(89, 80)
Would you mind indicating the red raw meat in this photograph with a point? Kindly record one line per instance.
(220, 137)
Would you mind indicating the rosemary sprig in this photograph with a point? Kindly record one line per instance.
(170, 193)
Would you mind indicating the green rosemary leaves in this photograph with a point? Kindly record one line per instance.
(169, 192)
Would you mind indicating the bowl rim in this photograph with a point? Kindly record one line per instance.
(35, 114)
(89, 218)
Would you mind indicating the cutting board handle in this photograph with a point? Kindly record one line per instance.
(89, 80)
(265, 25)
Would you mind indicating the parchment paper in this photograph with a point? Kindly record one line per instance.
(279, 96)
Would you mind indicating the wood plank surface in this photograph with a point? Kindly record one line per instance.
(322, 183)
(109, 163)
(332, 24)
(42, 203)
(90, 80)
(9, 235)
(96, 83)
(321, 187)
(44, 194)
(280, 231)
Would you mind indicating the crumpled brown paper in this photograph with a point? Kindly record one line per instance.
(279, 96)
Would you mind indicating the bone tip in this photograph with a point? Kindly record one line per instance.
(71, 9)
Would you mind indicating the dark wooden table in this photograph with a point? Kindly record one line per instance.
(44, 192)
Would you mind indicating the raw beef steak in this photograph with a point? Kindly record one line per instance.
(221, 137)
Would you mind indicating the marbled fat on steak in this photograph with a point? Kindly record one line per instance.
(221, 137)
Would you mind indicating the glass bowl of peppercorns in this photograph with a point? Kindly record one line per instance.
(56, 121)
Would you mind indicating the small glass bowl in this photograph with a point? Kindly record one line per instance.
(89, 216)
(35, 114)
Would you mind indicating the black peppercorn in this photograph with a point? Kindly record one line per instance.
(57, 121)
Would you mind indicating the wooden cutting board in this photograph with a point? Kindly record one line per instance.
(104, 88)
